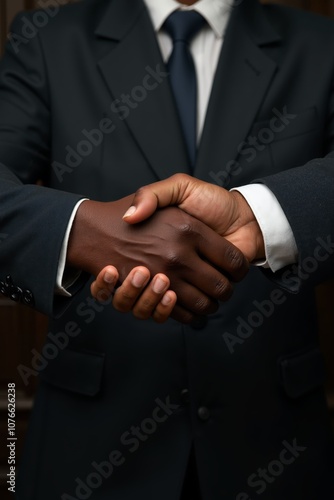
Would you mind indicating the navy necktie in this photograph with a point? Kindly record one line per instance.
(182, 26)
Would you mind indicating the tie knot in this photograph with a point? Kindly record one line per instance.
(183, 25)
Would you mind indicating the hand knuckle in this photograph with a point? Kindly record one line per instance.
(146, 304)
(140, 191)
(185, 228)
(180, 177)
(122, 302)
(235, 258)
(223, 289)
(172, 259)
(202, 305)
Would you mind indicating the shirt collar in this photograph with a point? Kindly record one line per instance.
(216, 12)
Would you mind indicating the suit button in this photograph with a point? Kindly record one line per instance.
(200, 323)
(203, 413)
(185, 396)
(7, 286)
(3, 289)
(16, 293)
(28, 298)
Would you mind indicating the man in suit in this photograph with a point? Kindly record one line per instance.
(229, 406)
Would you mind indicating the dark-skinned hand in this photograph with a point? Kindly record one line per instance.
(200, 264)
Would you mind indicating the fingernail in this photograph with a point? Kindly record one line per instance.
(166, 300)
(159, 285)
(109, 278)
(139, 279)
(129, 212)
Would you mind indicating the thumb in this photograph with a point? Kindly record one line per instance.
(158, 195)
(144, 204)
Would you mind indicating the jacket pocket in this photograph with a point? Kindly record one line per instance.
(75, 371)
(300, 374)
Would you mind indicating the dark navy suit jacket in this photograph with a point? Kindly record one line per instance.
(247, 387)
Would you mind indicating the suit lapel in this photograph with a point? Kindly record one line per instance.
(135, 61)
(242, 78)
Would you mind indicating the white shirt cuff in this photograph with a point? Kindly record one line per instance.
(279, 242)
(66, 277)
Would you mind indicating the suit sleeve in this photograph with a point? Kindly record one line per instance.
(33, 219)
(306, 195)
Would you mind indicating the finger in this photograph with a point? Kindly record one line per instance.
(223, 255)
(104, 285)
(212, 286)
(127, 294)
(157, 195)
(165, 307)
(193, 299)
(151, 296)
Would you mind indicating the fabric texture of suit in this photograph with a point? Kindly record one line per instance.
(254, 373)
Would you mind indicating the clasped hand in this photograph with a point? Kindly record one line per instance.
(194, 249)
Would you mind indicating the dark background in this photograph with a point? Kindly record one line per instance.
(22, 330)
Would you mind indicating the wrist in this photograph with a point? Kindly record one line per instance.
(246, 229)
(97, 235)
(80, 244)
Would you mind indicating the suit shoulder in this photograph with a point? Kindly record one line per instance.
(59, 16)
(297, 22)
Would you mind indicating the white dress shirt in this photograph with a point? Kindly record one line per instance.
(280, 245)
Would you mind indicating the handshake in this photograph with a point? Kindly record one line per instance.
(175, 252)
